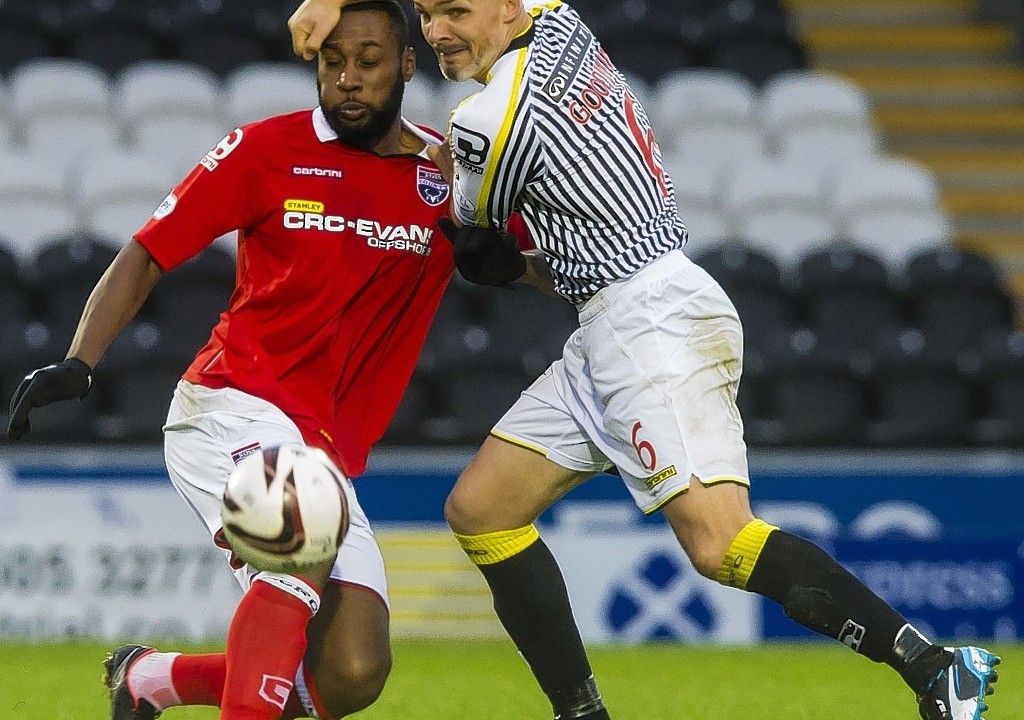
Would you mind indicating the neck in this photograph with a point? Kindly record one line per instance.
(390, 144)
(514, 29)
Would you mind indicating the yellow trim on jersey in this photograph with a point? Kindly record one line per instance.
(741, 557)
(500, 142)
(536, 11)
(494, 547)
(519, 443)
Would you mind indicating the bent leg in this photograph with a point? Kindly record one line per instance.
(492, 509)
(725, 543)
(349, 655)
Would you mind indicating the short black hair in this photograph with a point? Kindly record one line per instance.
(393, 9)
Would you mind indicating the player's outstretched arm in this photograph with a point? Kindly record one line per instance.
(114, 301)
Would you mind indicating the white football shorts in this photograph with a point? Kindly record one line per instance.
(647, 384)
(209, 431)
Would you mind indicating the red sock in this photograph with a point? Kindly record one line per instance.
(266, 642)
(199, 679)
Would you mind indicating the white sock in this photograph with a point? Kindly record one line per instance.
(149, 679)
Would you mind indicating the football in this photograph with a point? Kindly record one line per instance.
(285, 509)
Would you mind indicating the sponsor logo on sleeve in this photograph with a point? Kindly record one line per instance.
(166, 207)
(431, 186)
(470, 148)
(569, 63)
(221, 150)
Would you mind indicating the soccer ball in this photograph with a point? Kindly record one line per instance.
(284, 509)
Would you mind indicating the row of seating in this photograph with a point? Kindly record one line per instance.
(841, 354)
(648, 37)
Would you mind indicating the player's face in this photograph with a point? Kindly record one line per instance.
(468, 36)
(361, 76)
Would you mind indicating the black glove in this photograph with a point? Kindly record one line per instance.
(65, 380)
(484, 256)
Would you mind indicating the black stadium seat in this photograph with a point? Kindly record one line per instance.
(846, 296)
(67, 269)
(1002, 373)
(753, 39)
(113, 50)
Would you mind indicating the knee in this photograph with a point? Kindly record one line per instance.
(707, 556)
(461, 513)
(353, 684)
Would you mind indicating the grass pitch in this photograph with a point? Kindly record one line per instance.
(488, 681)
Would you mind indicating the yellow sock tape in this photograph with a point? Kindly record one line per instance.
(741, 557)
(494, 547)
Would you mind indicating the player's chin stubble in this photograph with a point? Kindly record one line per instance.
(366, 133)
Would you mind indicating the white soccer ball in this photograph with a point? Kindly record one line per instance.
(285, 509)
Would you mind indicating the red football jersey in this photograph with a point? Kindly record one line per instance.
(340, 271)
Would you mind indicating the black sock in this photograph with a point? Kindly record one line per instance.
(532, 603)
(820, 594)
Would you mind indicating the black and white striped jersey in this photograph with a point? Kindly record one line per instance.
(558, 136)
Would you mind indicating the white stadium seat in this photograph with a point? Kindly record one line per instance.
(890, 207)
(261, 90)
(809, 116)
(178, 141)
(697, 195)
(62, 102)
(707, 118)
(118, 193)
(34, 203)
(161, 102)
(781, 209)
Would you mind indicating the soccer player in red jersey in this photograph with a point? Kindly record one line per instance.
(340, 271)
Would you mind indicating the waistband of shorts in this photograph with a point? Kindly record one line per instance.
(672, 262)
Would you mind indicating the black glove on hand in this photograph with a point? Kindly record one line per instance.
(65, 380)
(484, 256)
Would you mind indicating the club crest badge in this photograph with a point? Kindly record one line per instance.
(431, 186)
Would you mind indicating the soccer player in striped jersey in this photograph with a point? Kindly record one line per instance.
(648, 383)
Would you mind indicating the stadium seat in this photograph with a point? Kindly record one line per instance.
(956, 297)
(890, 207)
(219, 51)
(118, 193)
(189, 299)
(14, 297)
(112, 49)
(811, 117)
(697, 196)
(753, 39)
(530, 347)
(61, 103)
(420, 105)
(473, 400)
(66, 270)
(20, 45)
(647, 49)
(846, 296)
(815, 396)
(171, 109)
(918, 394)
(1002, 367)
(779, 207)
(259, 90)
(33, 202)
(706, 119)
(410, 420)
(753, 282)
(139, 373)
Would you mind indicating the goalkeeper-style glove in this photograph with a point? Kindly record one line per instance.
(484, 256)
(65, 380)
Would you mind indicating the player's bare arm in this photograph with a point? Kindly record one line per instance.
(114, 302)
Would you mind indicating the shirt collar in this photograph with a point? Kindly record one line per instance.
(325, 133)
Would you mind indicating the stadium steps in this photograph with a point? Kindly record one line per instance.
(947, 93)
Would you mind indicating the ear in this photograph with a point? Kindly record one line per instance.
(513, 9)
(408, 63)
